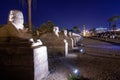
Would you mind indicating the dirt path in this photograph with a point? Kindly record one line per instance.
(92, 66)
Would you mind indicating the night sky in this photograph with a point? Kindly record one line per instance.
(64, 13)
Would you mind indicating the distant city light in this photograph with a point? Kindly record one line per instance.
(101, 30)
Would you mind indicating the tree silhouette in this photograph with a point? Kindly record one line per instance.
(76, 29)
(114, 20)
(46, 27)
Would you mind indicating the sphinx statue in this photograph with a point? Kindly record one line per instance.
(14, 28)
(64, 35)
(68, 38)
(71, 38)
(18, 47)
(14, 32)
(54, 43)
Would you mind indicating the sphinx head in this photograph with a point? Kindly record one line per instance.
(65, 32)
(16, 17)
(56, 30)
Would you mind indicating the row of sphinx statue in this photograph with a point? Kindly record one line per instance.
(15, 40)
(55, 41)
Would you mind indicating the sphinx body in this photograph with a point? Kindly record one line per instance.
(54, 43)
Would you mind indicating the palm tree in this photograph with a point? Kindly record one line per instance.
(29, 14)
(114, 20)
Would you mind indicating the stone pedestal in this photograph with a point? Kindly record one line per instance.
(40, 62)
(18, 61)
(66, 47)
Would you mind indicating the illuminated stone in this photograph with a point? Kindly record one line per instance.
(66, 47)
(56, 30)
(40, 62)
(65, 33)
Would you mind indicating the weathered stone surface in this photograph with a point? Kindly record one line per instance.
(16, 61)
(24, 62)
(54, 44)
(40, 62)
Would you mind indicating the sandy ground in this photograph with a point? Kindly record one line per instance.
(90, 65)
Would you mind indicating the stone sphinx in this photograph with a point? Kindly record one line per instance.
(23, 57)
(64, 35)
(54, 43)
(15, 27)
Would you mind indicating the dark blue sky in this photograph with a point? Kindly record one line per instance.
(65, 13)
